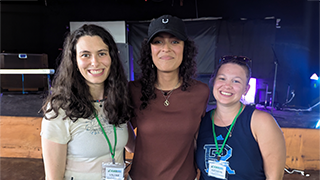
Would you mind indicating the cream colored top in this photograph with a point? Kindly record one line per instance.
(87, 146)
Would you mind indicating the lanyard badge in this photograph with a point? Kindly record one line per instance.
(217, 168)
(111, 170)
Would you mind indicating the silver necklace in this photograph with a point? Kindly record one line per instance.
(167, 95)
(236, 118)
(226, 126)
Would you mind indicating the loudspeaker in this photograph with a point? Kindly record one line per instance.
(32, 82)
(124, 54)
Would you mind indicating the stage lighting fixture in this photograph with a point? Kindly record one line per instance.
(314, 77)
(318, 124)
(314, 80)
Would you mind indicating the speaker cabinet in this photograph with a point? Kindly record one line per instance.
(124, 54)
(32, 82)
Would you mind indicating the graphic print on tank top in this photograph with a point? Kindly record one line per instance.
(210, 155)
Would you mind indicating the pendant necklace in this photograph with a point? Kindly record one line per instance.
(226, 127)
(167, 95)
(230, 126)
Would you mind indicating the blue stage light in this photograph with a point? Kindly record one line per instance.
(314, 77)
(314, 80)
(318, 124)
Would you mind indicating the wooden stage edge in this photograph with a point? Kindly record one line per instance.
(20, 138)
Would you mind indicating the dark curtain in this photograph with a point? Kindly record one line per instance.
(251, 38)
(204, 33)
(137, 31)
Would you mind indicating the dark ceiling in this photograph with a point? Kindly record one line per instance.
(148, 9)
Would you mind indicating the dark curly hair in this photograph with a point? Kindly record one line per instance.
(70, 91)
(187, 70)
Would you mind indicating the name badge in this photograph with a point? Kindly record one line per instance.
(217, 170)
(112, 171)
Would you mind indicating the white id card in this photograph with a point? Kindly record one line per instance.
(112, 171)
(217, 170)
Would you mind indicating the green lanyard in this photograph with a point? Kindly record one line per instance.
(105, 135)
(225, 139)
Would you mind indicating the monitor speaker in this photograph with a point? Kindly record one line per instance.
(124, 53)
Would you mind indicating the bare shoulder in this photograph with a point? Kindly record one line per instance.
(262, 122)
(262, 117)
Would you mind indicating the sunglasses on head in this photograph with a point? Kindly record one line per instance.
(239, 58)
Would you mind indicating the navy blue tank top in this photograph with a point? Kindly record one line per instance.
(241, 151)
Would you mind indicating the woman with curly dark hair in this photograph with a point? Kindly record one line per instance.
(85, 126)
(168, 102)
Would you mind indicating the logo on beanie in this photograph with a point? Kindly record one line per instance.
(165, 21)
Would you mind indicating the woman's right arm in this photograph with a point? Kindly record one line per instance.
(54, 158)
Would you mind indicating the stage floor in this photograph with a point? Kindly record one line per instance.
(17, 104)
